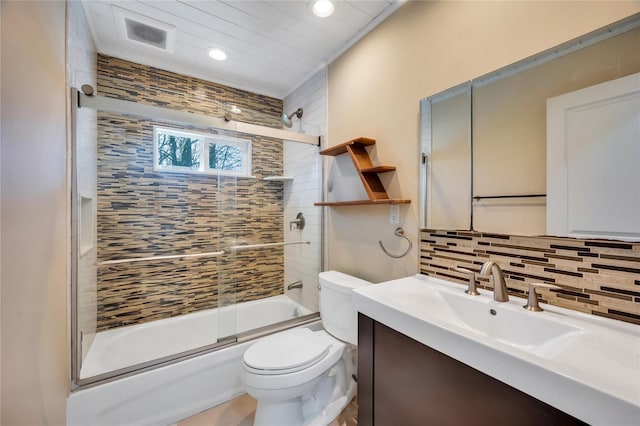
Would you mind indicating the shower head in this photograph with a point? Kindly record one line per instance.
(286, 119)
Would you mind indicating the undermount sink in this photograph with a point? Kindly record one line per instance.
(585, 365)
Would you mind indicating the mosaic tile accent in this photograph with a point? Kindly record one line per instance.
(126, 80)
(597, 277)
(142, 212)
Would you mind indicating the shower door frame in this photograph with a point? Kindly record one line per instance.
(102, 103)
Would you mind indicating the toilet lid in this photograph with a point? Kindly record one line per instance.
(286, 352)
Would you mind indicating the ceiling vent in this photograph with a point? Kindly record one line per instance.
(144, 30)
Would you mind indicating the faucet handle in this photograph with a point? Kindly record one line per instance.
(532, 299)
(298, 222)
(471, 289)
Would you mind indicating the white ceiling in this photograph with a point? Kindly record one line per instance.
(272, 46)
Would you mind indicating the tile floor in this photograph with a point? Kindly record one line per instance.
(241, 410)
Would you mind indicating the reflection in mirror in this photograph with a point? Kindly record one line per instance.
(509, 130)
(508, 170)
(593, 145)
(446, 148)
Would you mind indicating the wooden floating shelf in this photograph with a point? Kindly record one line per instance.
(356, 148)
(379, 169)
(363, 202)
(342, 148)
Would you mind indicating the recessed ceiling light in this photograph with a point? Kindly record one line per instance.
(217, 54)
(323, 8)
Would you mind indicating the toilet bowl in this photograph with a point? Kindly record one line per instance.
(304, 377)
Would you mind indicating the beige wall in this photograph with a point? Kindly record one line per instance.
(34, 214)
(422, 49)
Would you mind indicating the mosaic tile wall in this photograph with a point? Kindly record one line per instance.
(142, 212)
(597, 276)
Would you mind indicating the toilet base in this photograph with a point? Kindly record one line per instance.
(317, 408)
(282, 413)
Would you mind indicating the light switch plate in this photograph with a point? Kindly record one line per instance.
(394, 214)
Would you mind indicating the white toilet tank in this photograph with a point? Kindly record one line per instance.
(338, 316)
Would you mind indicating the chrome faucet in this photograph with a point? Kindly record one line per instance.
(297, 284)
(500, 292)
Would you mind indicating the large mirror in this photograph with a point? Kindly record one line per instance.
(446, 162)
(484, 143)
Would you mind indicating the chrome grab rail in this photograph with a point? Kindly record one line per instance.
(238, 248)
(151, 258)
(232, 249)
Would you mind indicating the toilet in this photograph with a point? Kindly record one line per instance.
(304, 377)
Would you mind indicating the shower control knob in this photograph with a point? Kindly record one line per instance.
(298, 222)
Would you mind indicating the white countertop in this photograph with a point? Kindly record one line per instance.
(590, 369)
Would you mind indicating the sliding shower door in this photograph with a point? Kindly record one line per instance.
(150, 237)
(188, 238)
(272, 236)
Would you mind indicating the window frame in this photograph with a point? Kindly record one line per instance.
(205, 140)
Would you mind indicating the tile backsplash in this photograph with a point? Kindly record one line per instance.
(599, 277)
(144, 212)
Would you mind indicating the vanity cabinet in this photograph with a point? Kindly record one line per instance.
(403, 382)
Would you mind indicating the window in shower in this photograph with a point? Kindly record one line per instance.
(177, 151)
(229, 156)
(185, 152)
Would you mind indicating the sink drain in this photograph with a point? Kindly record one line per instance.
(493, 312)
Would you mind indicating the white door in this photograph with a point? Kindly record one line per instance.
(593, 161)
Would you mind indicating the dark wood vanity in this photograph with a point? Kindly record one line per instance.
(402, 382)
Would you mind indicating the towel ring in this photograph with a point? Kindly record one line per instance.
(399, 232)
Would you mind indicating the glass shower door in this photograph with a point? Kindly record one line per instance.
(148, 243)
(183, 237)
(272, 234)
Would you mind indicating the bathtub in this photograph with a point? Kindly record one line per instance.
(167, 394)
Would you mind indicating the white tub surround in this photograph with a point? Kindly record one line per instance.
(164, 395)
(584, 365)
(123, 347)
(172, 392)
